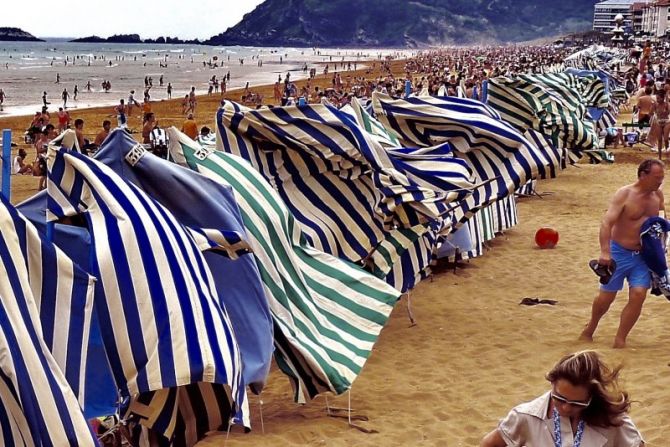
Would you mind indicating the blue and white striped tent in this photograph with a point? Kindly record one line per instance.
(499, 156)
(63, 295)
(37, 405)
(178, 333)
(100, 391)
(199, 202)
(328, 313)
(342, 186)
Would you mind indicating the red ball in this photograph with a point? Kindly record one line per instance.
(546, 238)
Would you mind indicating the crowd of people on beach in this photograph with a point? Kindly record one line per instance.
(584, 397)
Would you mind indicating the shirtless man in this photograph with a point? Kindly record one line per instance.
(620, 241)
(645, 104)
(79, 132)
(106, 124)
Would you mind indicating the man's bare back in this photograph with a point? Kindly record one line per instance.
(645, 104)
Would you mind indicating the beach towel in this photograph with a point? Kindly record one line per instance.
(653, 237)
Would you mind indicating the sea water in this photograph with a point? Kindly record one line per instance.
(27, 69)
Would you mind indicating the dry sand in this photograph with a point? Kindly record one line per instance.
(475, 352)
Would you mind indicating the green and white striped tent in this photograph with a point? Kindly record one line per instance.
(551, 104)
(327, 312)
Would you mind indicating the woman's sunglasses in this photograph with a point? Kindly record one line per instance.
(563, 400)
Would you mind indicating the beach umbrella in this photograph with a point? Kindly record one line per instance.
(42, 336)
(327, 312)
(162, 321)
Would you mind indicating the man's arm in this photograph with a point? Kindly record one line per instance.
(613, 212)
(661, 204)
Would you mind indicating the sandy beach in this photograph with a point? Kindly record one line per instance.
(475, 352)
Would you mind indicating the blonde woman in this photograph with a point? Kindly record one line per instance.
(583, 408)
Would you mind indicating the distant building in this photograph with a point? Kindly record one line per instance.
(655, 20)
(636, 10)
(605, 11)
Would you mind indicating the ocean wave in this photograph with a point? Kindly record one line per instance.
(30, 67)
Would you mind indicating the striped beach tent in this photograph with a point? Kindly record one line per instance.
(550, 104)
(63, 295)
(337, 181)
(557, 158)
(405, 268)
(37, 405)
(604, 118)
(100, 393)
(385, 137)
(198, 202)
(328, 313)
(162, 322)
(498, 155)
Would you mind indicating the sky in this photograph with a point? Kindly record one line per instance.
(186, 19)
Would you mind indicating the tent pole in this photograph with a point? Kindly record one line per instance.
(409, 309)
(230, 425)
(6, 162)
(260, 405)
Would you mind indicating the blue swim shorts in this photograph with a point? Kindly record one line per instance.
(629, 266)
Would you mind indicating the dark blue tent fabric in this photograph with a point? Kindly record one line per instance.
(101, 394)
(583, 73)
(202, 203)
(653, 250)
(596, 114)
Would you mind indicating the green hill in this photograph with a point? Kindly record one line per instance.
(402, 23)
(16, 34)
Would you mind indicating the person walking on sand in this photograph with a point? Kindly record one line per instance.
(169, 90)
(620, 242)
(132, 102)
(2, 99)
(191, 101)
(65, 95)
(120, 110)
(661, 123)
